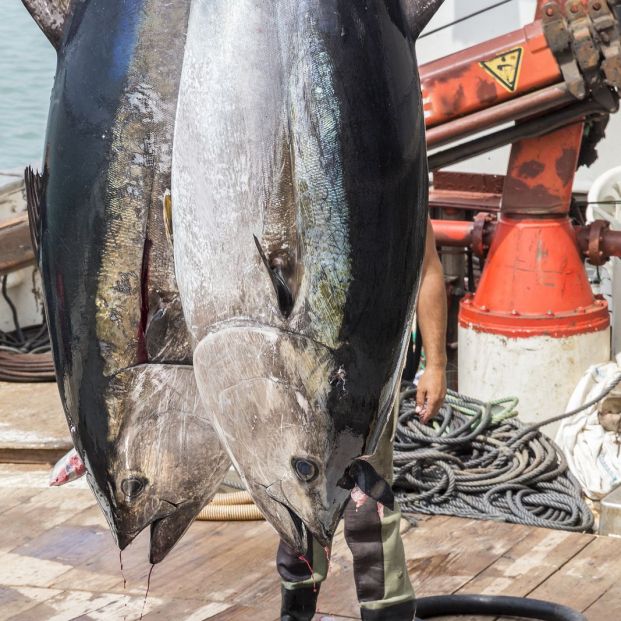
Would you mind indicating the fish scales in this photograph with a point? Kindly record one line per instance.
(299, 208)
(119, 337)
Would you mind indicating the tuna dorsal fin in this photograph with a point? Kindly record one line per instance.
(276, 272)
(419, 12)
(35, 190)
(50, 16)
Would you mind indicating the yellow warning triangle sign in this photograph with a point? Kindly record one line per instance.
(505, 68)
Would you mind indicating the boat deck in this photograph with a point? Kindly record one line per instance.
(58, 562)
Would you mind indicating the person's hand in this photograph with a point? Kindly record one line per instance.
(430, 393)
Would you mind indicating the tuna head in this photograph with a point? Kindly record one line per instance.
(272, 394)
(164, 461)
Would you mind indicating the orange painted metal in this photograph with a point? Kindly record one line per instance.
(596, 241)
(452, 232)
(534, 283)
(459, 84)
(541, 173)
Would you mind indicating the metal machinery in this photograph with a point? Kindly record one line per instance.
(533, 325)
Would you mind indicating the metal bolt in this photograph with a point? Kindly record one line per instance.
(514, 312)
(550, 313)
(484, 309)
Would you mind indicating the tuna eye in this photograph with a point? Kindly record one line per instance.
(306, 470)
(132, 487)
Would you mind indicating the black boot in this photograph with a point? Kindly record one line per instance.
(298, 604)
(399, 612)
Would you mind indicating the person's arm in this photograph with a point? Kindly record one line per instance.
(431, 316)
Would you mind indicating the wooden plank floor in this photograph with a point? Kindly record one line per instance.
(58, 562)
(32, 424)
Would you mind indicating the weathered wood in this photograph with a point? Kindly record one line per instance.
(587, 577)
(33, 429)
(58, 560)
(15, 245)
(441, 559)
(525, 566)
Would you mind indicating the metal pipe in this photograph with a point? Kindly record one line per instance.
(535, 103)
(528, 129)
(472, 201)
(596, 241)
(453, 232)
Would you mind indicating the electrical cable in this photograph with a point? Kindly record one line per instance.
(25, 353)
(464, 18)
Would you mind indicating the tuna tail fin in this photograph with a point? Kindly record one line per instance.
(35, 190)
(50, 16)
(418, 13)
(283, 291)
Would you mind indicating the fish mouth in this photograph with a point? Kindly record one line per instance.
(293, 530)
(123, 539)
(167, 531)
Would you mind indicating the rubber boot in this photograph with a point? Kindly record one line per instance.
(298, 604)
(399, 612)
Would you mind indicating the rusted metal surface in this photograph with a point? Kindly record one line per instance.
(15, 246)
(598, 242)
(468, 182)
(541, 173)
(460, 84)
(532, 128)
(534, 283)
(471, 201)
(607, 29)
(559, 39)
(476, 235)
(517, 109)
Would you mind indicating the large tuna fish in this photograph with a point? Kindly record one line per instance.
(299, 210)
(119, 337)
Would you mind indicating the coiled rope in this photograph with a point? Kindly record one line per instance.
(476, 460)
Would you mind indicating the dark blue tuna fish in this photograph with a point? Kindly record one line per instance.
(98, 218)
(299, 209)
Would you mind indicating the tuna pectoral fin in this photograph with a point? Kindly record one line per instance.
(35, 189)
(283, 291)
(364, 475)
(419, 13)
(50, 16)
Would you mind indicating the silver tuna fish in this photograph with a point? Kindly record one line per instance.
(97, 213)
(299, 209)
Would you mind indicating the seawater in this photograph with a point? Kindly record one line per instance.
(27, 66)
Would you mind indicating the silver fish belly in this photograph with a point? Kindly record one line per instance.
(299, 208)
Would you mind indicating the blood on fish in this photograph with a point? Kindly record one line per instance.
(358, 497)
(312, 573)
(144, 603)
(122, 573)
